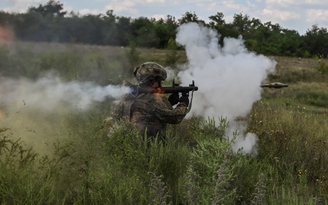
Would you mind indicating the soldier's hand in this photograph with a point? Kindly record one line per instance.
(185, 100)
(174, 98)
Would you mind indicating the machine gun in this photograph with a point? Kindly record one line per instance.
(175, 88)
(274, 85)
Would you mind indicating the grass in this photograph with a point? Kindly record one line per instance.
(83, 165)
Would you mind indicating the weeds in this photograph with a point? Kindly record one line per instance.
(158, 190)
(259, 196)
(133, 55)
(192, 189)
(323, 67)
(314, 97)
(22, 180)
(172, 56)
(196, 166)
(222, 193)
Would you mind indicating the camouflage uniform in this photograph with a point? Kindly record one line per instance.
(149, 113)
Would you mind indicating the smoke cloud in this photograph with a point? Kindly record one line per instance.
(35, 111)
(50, 93)
(228, 78)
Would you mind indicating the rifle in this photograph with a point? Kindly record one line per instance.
(175, 88)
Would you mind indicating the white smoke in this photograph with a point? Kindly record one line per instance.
(50, 92)
(35, 111)
(228, 78)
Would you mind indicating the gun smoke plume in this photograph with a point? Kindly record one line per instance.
(228, 78)
(34, 111)
(50, 93)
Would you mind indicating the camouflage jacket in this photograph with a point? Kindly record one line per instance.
(149, 113)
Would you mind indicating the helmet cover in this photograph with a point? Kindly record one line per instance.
(150, 71)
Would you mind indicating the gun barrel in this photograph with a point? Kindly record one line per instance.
(175, 89)
(274, 85)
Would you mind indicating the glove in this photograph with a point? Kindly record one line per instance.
(174, 98)
(185, 100)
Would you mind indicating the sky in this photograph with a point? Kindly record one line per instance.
(297, 15)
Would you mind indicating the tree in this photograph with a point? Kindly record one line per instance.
(48, 22)
(289, 43)
(316, 41)
(123, 26)
(162, 33)
(109, 29)
(143, 32)
(217, 20)
(242, 24)
(172, 25)
(218, 23)
(190, 17)
(52, 7)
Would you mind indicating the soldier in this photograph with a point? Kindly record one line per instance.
(150, 113)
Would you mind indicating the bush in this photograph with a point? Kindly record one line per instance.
(172, 56)
(323, 67)
(133, 54)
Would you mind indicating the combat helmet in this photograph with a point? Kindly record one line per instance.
(149, 71)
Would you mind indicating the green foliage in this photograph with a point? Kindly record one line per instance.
(292, 195)
(315, 41)
(323, 68)
(143, 30)
(259, 196)
(284, 141)
(22, 178)
(136, 155)
(314, 97)
(158, 190)
(215, 185)
(92, 168)
(51, 8)
(49, 23)
(190, 17)
(172, 56)
(133, 55)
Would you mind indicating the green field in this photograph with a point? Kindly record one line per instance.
(63, 156)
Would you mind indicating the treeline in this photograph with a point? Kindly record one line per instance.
(49, 23)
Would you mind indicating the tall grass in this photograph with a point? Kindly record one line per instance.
(196, 166)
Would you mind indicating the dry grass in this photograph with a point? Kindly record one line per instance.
(292, 70)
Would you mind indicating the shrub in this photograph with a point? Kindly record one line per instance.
(323, 67)
(133, 54)
(171, 56)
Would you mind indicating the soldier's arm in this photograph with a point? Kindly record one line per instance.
(164, 111)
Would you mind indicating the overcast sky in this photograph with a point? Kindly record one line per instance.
(297, 15)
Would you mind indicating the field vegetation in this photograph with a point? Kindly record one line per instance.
(80, 164)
